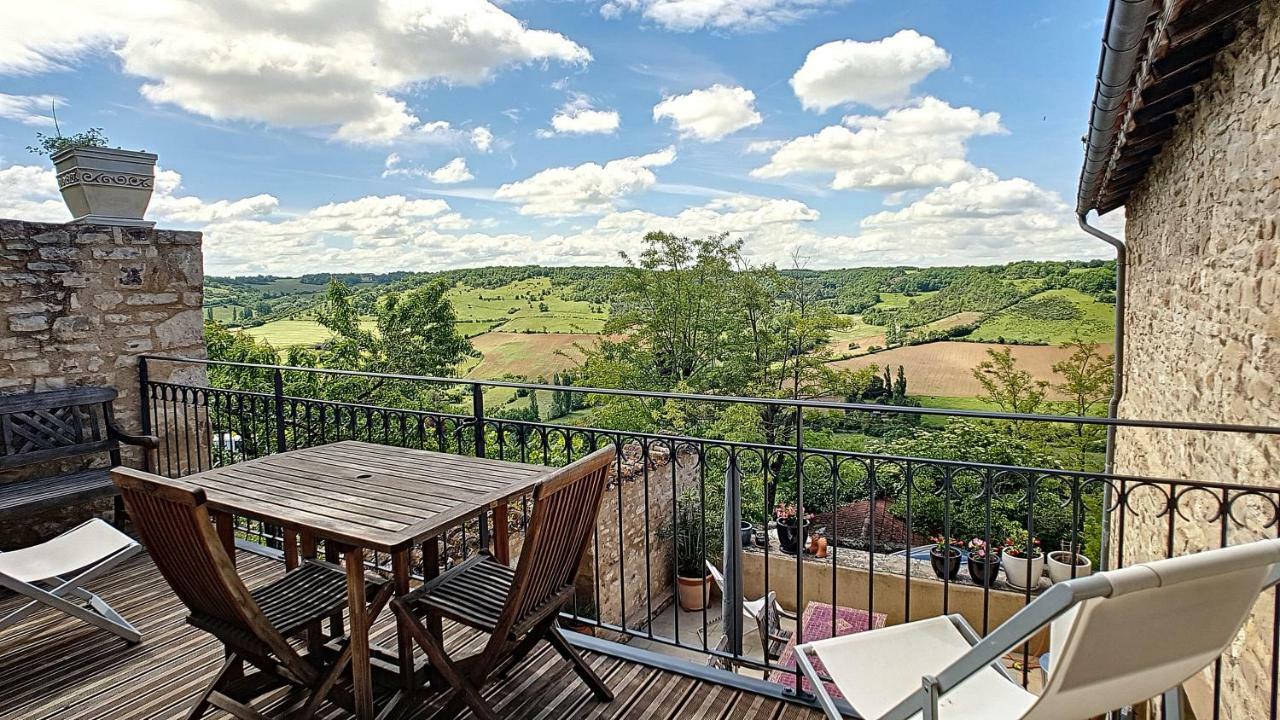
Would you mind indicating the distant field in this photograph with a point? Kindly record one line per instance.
(528, 305)
(1094, 323)
(945, 368)
(950, 321)
(288, 333)
(526, 355)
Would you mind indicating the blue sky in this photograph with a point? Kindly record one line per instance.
(373, 135)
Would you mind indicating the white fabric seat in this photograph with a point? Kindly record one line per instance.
(52, 571)
(1118, 638)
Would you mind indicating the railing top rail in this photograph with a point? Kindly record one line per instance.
(775, 402)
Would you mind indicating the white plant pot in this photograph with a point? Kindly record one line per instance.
(1022, 573)
(106, 186)
(1060, 566)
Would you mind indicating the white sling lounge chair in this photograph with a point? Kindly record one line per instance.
(1118, 638)
(53, 571)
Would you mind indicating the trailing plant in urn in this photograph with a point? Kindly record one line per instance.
(100, 185)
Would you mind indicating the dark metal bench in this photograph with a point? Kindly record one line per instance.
(46, 427)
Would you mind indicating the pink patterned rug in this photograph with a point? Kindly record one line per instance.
(817, 623)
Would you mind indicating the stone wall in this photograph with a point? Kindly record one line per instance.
(1204, 325)
(78, 304)
(616, 564)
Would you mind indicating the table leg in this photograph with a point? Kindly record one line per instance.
(290, 548)
(315, 640)
(331, 556)
(404, 641)
(225, 526)
(430, 571)
(501, 539)
(361, 669)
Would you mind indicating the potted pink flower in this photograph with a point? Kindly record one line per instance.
(984, 562)
(944, 556)
(1022, 568)
(792, 529)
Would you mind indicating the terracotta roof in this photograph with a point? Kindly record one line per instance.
(1179, 44)
(851, 524)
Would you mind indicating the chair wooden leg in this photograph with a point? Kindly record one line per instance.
(580, 666)
(463, 687)
(227, 672)
(326, 685)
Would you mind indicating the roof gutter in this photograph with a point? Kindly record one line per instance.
(1121, 46)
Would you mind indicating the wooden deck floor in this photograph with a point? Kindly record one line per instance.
(55, 667)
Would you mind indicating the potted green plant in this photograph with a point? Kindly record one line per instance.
(792, 529)
(984, 563)
(696, 534)
(99, 184)
(1022, 567)
(944, 556)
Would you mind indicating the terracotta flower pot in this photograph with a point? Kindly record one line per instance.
(947, 566)
(693, 593)
(1060, 567)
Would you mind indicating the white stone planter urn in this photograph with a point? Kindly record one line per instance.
(1060, 565)
(106, 186)
(1020, 572)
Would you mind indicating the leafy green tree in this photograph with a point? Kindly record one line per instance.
(1009, 387)
(1087, 377)
(1007, 493)
(414, 333)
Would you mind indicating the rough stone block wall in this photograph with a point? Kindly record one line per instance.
(1204, 328)
(78, 305)
(616, 563)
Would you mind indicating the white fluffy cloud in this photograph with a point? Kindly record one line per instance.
(578, 117)
(586, 189)
(879, 73)
(726, 15)
(28, 109)
(337, 66)
(709, 115)
(919, 146)
(981, 219)
(31, 192)
(454, 171)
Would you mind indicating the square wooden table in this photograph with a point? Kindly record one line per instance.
(361, 496)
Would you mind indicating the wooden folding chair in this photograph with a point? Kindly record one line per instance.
(516, 607)
(175, 527)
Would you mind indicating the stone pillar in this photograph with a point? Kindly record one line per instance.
(79, 303)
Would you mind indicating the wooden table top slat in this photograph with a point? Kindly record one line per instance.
(378, 497)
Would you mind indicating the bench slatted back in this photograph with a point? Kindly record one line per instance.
(36, 427)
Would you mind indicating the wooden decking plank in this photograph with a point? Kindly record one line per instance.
(52, 666)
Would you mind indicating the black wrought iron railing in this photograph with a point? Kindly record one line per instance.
(875, 511)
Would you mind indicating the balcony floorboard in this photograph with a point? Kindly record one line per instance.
(52, 666)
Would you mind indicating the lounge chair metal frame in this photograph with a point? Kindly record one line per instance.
(67, 580)
(986, 652)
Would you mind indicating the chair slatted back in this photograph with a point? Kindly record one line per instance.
(1162, 623)
(175, 527)
(565, 506)
(37, 427)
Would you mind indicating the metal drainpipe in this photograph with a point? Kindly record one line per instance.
(1117, 379)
